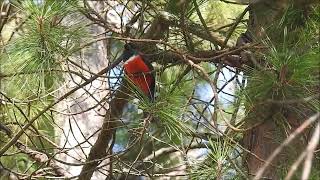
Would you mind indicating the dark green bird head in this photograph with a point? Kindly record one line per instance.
(129, 51)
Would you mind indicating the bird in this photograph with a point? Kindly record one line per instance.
(139, 70)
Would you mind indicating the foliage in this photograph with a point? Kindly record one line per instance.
(40, 49)
(216, 165)
(287, 82)
(150, 138)
(33, 62)
(292, 68)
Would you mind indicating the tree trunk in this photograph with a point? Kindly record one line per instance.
(263, 139)
(80, 131)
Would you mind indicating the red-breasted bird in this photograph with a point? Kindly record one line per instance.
(139, 70)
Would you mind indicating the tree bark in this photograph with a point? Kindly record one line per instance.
(263, 139)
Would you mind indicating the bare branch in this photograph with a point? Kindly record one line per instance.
(299, 130)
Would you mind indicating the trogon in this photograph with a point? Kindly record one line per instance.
(139, 70)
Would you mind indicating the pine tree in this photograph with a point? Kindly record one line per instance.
(236, 95)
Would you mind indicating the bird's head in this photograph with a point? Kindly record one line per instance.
(129, 51)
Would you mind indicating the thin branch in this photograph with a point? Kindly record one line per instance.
(310, 150)
(234, 26)
(26, 126)
(204, 23)
(168, 150)
(295, 165)
(41, 158)
(293, 135)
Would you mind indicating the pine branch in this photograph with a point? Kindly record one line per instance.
(42, 158)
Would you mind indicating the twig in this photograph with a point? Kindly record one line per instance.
(293, 135)
(310, 150)
(295, 165)
(167, 150)
(7, 12)
(41, 158)
(234, 26)
(26, 126)
(204, 23)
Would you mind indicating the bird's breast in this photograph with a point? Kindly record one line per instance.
(139, 73)
(136, 64)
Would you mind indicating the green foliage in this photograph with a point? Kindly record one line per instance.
(215, 165)
(170, 105)
(37, 54)
(33, 60)
(224, 14)
(292, 68)
(20, 164)
(40, 49)
(287, 80)
(216, 14)
(175, 7)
